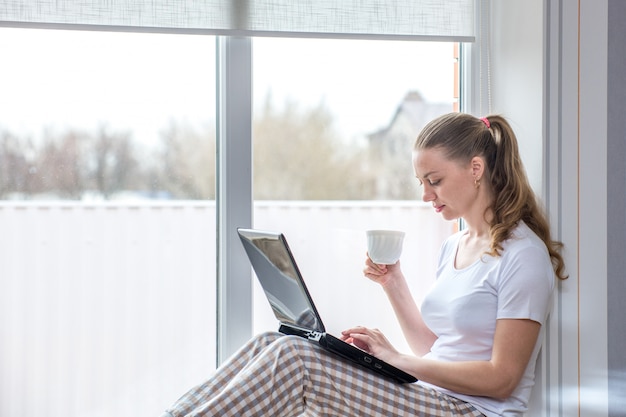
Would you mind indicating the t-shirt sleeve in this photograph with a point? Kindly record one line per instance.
(525, 285)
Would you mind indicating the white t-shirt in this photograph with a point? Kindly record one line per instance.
(463, 305)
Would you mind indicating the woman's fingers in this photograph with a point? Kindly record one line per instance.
(353, 330)
(367, 337)
(358, 336)
(374, 271)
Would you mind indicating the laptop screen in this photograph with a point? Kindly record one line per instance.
(280, 278)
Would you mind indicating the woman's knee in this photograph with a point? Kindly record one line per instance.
(268, 336)
(296, 345)
(283, 345)
(256, 344)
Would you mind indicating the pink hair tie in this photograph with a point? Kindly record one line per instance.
(486, 122)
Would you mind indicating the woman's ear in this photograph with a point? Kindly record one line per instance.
(477, 164)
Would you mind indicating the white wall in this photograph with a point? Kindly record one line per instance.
(551, 80)
(516, 51)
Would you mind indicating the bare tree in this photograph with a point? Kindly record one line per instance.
(15, 168)
(60, 164)
(113, 165)
(185, 164)
(299, 156)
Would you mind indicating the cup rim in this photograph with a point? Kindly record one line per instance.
(386, 232)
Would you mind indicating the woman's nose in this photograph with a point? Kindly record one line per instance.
(427, 194)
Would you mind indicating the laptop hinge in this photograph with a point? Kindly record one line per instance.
(313, 335)
(302, 332)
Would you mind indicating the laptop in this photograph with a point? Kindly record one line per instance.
(282, 282)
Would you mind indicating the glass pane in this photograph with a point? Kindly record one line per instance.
(334, 126)
(107, 302)
(106, 116)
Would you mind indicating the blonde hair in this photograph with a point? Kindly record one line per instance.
(462, 136)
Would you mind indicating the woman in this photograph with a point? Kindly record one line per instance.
(477, 335)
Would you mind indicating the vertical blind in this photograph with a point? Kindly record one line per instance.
(451, 20)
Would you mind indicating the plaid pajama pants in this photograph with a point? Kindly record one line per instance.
(276, 375)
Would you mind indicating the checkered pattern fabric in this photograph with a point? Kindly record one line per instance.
(276, 375)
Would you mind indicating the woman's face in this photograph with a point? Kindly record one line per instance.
(449, 185)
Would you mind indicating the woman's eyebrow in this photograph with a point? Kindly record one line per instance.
(428, 174)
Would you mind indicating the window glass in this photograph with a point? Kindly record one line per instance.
(106, 116)
(108, 220)
(334, 125)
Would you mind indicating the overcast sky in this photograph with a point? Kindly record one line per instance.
(139, 82)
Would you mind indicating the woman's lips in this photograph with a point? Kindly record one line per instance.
(438, 208)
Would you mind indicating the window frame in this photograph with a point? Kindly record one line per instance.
(233, 192)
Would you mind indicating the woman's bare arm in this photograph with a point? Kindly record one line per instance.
(419, 337)
(514, 341)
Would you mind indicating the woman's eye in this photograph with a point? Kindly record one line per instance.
(430, 182)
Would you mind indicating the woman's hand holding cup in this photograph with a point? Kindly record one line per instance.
(384, 248)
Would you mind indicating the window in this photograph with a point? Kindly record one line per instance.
(108, 244)
(106, 116)
(109, 329)
(333, 129)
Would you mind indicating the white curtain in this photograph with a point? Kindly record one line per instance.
(380, 19)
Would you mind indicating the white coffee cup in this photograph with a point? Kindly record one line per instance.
(384, 246)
